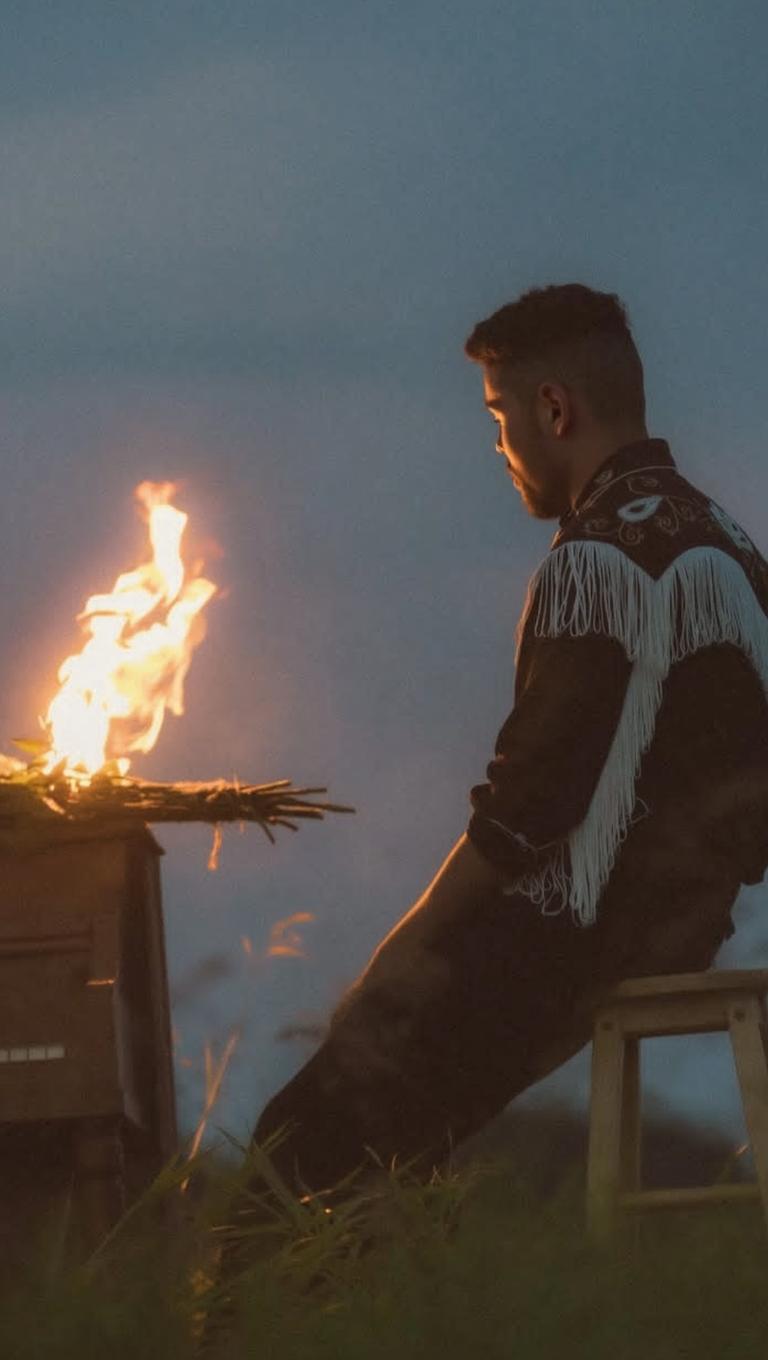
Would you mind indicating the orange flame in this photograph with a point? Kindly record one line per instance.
(285, 940)
(115, 692)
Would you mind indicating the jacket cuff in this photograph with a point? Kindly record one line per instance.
(508, 851)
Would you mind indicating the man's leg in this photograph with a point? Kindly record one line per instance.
(425, 1051)
(431, 1044)
(434, 1040)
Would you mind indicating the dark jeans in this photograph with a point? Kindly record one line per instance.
(434, 1039)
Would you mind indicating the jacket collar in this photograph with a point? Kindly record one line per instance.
(641, 453)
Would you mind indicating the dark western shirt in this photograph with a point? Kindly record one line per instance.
(700, 785)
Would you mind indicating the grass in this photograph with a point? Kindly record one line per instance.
(473, 1264)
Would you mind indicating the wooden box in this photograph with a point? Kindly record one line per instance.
(85, 1040)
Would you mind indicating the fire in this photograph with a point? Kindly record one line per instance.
(285, 939)
(115, 692)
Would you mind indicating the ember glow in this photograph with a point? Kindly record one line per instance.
(285, 939)
(114, 693)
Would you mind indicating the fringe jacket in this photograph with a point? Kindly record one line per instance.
(640, 696)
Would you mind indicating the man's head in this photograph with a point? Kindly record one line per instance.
(564, 381)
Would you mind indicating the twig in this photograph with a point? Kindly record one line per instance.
(47, 801)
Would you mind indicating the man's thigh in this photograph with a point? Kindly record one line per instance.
(457, 1025)
(504, 994)
(434, 1041)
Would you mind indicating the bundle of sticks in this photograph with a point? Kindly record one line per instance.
(33, 802)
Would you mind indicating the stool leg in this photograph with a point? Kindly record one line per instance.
(604, 1159)
(630, 1115)
(745, 1023)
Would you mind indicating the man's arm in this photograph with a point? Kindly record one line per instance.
(549, 755)
(550, 752)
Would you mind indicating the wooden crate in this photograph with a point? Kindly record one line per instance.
(85, 1038)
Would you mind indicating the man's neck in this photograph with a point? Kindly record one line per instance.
(596, 451)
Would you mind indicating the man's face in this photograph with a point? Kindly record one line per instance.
(531, 454)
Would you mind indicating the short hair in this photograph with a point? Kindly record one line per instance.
(571, 333)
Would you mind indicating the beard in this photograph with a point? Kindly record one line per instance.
(544, 505)
(549, 498)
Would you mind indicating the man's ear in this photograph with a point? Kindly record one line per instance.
(554, 408)
(561, 411)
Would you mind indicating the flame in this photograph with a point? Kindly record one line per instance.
(285, 940)
(115, 692)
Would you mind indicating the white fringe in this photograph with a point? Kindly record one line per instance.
(704, 597)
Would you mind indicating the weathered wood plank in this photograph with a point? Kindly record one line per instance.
(747, 1040)
(713, 980)
(693, 1197)
(604, 1153)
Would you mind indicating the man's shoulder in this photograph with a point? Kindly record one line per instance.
(656, 563)
(654, 516)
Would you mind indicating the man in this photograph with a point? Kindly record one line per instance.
(625, 803)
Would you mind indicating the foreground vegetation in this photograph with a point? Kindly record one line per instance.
(475, 1263)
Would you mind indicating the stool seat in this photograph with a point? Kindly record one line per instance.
(683, 984)
(731, 1000)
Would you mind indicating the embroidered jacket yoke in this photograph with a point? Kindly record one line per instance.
(641, 713)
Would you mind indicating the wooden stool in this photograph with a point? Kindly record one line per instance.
(681, 1003)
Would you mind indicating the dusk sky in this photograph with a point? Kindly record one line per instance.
(241, 248)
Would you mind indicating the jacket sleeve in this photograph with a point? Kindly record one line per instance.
(550, 751)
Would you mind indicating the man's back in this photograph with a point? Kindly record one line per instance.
(705, 775)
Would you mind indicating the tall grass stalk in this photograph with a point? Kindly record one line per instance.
(471, 1263)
